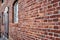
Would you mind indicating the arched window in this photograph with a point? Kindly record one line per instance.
(2, 1)
(16, 12)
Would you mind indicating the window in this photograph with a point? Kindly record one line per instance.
(2, 1)
(16, 12)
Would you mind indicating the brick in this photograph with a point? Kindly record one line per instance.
(55, 4)
(38, 19)
(57, 38)
(50, 6)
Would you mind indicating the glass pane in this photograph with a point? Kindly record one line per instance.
(16, 12)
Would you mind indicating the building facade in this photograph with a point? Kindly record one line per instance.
(30, 19)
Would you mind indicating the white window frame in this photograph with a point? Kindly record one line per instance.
(16, 12)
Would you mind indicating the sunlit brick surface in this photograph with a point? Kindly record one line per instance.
(38, 20)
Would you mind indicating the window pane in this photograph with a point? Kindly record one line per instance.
(16, 12)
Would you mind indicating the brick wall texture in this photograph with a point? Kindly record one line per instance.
(38, 19)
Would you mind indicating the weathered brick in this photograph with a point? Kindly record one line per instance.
(38, 19)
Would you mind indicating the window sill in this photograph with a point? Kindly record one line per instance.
(15, 24)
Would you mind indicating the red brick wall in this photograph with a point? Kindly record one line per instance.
(38, 19)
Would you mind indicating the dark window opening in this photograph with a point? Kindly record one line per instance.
(2, 1)
(15, 12)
